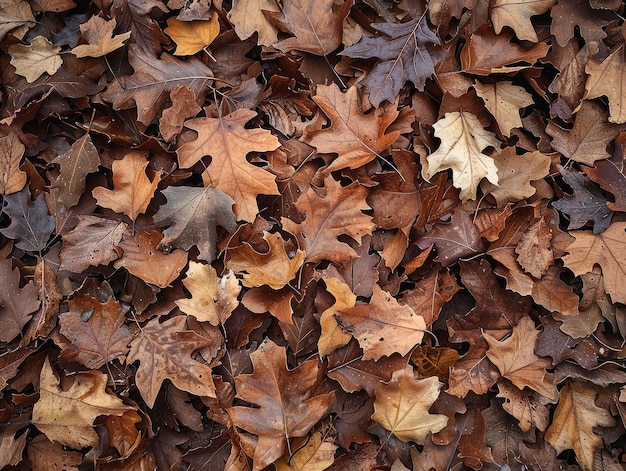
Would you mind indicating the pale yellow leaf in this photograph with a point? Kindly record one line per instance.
(192, 36)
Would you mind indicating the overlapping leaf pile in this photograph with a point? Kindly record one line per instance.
(312, 235)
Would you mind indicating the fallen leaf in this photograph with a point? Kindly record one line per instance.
(16, 17)
(517, 16)
(192, 36)
(609, 174)
(35, 59)
(184, 106)
(43, 453)
(314, 454)
(98, 33)
(526, 406)
(533, 252)
(248, 17)
(12, 179)
(16, 304)
(504, 101)
(332, 336)
(605, 79)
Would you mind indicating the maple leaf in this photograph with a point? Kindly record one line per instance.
(402, 405)
(575, 417)
(606, 79)
(12, 179)
(504, 100)
(517, 15)
(66, 416)
(16, 304)
(462, 141)
(228, 142)
(274, 268)
(213, 298)
(357, 138)
(407, 52)
(606, 249)
(148, 87)
(31, 224)
(516, 359)
(164, 352)
(286, 407)
(316, 25)
(98, 33)
(382, 327)
(33, 60)
(132, 189)
(336, 213)
(192, 36)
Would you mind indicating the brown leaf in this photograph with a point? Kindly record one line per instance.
(533, 252)
(33, 60)
(526, 406)
(610, 175)
(184, 106)
(17, 17)
(504, 101)
(313, 454)
(286, 407)
(45, 454)
(192, 36)
(16, 304)
(517, 16)
(12, 179)
(98, 33)
(248, 17)
(434, 361)
(605, 79)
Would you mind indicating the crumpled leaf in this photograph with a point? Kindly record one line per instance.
(100, 38)
(462, 141)
(33, 60)
(534, 253)
(402, 405)
(286, 407)
(406, 52)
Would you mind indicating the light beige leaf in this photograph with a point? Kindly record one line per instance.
(504, 100)
(99, 35)
(311, 454)
(332, 337)
(247, 17)
(606, 78)
(516, 15)
(33, 60)
(15, 17)
(12, 179)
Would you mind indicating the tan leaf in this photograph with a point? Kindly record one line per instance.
(516, 15)
(228, 142)
(274, 268)
(31, 61)
(607, 249)
(132, 189)
(45, 454)
(213, 298)
(606, 78)
(533, 252)
(16, 304)
(382, 327)
(504, 100)
(164, 351)
(16, 17)
(56, 6)
(462, 141)
(184, 106)
(332, 337)
(192, 36)
(248, 17)
(98, 33)
(312, 454)
(357, 138)
(526, 406)
(12, 179)
(66, 416)
(575, 418)
(402, 405)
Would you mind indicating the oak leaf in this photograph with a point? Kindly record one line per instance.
(33, 60)
(12, 179)
(286, 406)
(192, 214)
(248, 17)
(228, 142)
(184, 106)
(132, 189)
(607, 250)
(402, 405)
(332, 336)
(213, 298)
(610, 174)
(527, 406)
(356, 137)
(606, 78)
(16, 304)
(382, 327)
(164, 351)
(504, 101)
(589, 21)
(100, 38)
(534, 253)
(332, 212)
(274, 268)
(192, 36)
(67, 416)
(96, 330)
(406, 52)
(575, 418)
(462, 141)
(516, 15)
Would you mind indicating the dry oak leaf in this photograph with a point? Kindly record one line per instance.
(96, 330)
(527, 406)
(99, 35)
(45, 454)
(192, 36)
(402, 405)
(357, 138)
(183, 107)
(12, 179)
(213, 298)
(606, 78)
(608, 250)
(316, 25)
(516, 15)
(285, 408)
(534, 253)
(94, 241)
(504, 101)
(462, 141)
(228, 142)
(331, 336)
(515, 172)
(66, 416)
(610, 174)
(275, 268)
(406, 52)
(336, 211)
(31, 223)
(588, 139)
(575, 418)
(148, 87)
(382, 327)
(33, 60)
(248, 17)
(81, 159)
(132, 189)
(311, 454)
(143, 259)
(16, 304)
(164, 351)
(516, 359)
(15, 16)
